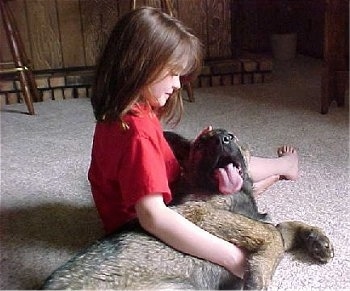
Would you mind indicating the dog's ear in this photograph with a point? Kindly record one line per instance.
(180, 146)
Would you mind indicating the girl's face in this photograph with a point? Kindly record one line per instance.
(162, 90)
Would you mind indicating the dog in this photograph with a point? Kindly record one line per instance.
(134, 259)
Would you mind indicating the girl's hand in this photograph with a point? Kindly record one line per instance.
(205, 130)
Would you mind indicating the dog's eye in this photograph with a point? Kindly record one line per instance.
(233, 137)
(226, 139)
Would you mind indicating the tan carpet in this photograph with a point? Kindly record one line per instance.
(46, 210)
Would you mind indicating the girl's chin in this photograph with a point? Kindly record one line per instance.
(162, 101)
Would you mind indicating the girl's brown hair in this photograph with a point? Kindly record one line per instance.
(144, 43)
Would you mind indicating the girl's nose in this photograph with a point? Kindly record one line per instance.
(176, 82)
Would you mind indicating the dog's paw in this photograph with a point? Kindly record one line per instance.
(318, 245)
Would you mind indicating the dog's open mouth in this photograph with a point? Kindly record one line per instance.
(225, 160)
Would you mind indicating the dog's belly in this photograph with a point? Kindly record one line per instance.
(135, 260)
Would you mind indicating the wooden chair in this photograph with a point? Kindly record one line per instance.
(168, 8)
(335, 72)
(21, 65)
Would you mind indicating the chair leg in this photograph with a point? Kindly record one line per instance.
(23, 79)
(188, 88)
(341, 84)
(26, 78)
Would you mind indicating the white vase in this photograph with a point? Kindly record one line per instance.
(284, 46)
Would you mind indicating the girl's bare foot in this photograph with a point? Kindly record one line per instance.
(290, 155)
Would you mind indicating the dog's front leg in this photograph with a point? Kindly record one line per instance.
(312, 239)
(261, 265)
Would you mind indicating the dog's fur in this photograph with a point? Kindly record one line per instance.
(133, 259)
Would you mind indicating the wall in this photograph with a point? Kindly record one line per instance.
(69, 33)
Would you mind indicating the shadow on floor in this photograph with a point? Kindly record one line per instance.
(55, 225)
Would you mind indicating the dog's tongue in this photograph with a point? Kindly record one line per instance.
(229, 180)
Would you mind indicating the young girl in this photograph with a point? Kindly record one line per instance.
(137, 85)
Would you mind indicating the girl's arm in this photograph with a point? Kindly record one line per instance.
(183, 235)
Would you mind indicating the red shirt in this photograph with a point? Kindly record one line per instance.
(129, 164)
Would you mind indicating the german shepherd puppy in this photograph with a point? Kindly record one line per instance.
(133, 259)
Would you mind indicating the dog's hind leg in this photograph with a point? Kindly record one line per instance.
(299, 235)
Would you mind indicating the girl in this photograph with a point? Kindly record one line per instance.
(137, 85)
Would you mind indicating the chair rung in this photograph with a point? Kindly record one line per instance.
(13, 70)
